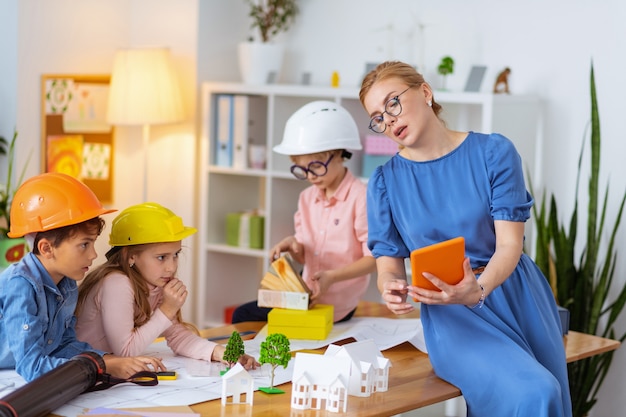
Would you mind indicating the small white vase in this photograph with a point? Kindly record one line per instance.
(260, 63)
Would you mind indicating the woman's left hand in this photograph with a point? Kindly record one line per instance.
(466, 292)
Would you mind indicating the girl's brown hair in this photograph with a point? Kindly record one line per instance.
(118, 260)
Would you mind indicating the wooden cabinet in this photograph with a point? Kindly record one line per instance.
(228, 275)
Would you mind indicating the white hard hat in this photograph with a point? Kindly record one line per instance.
(317, 127)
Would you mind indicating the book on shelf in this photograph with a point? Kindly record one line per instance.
(282, 286)
(240, 132)
(249, 128)
(245, 229)
(224, 130)
(240, 122)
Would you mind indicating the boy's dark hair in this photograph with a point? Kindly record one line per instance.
(59, 235)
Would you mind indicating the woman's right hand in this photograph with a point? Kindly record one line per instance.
(392, 284)
(125, 367)
(394, 293)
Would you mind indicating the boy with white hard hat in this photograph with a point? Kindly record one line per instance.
(330, 237)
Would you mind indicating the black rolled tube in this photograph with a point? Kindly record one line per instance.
(51, 390)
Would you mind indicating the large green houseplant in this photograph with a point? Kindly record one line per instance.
(584, 285)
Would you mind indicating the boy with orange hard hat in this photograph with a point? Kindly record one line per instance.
(60, 218)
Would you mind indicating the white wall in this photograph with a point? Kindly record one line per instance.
(70, 37)
(8, 73)
(549, 45)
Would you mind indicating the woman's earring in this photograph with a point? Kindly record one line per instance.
(430, 103)
(132, 264)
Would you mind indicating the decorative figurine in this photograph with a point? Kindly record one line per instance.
(275, 351)
(334, 79)
(502, 82)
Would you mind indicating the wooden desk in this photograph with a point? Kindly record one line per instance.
(412, 382)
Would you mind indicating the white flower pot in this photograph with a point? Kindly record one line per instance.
(260, 63)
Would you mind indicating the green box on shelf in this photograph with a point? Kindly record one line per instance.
(245, 229)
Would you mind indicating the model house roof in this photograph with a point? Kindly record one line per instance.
(363, 351)
(321, 369)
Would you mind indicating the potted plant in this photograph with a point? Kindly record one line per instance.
(11, 250)
(260, 59)
(445, 68)
(585, 285)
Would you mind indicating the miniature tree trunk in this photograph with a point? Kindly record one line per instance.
(234, 349)
(275, 351)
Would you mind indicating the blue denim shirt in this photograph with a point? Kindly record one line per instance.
(37, 319)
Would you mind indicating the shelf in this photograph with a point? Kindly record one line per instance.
(229, 275)
(234, 250)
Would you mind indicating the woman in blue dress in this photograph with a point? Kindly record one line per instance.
(496, 334)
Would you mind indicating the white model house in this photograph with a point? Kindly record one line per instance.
(320, 382)
(369, 370)
(237, 384)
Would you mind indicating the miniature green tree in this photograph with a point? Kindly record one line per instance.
(445, 68)
(234, 349)
(275, 351)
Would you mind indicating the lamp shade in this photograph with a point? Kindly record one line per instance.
(144, 89)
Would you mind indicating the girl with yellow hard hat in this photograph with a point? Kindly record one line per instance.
(135, 296)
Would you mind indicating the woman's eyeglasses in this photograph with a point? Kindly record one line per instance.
(392, 108)
(317, 168)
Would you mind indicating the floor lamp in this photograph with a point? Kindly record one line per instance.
(144, 91)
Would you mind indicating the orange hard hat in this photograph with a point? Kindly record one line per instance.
(52, 200)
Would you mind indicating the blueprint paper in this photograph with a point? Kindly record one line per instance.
(385, 332)
(139, 412)
(200, 381)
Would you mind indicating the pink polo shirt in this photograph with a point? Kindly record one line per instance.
(334, 234)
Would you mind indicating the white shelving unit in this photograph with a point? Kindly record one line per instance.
(228, 275)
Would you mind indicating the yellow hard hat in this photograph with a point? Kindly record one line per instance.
(52, 200)
(147, 223)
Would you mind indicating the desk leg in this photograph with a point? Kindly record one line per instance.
(455, 407)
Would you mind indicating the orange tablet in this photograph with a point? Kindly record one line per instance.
(443, 259)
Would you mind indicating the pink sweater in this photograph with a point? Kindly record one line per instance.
(106, 323)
